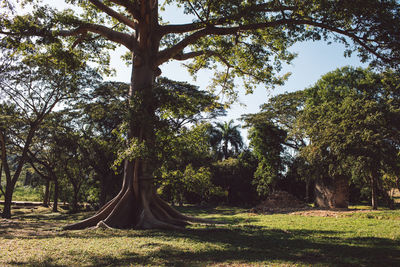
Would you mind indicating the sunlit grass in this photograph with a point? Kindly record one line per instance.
(24, 193)
(33, 238)
(27, 193)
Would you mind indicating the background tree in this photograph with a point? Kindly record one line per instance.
(249, 38)
(34, 85)
(44, 154)
(182, 133)
(226, 140)
(276, 139)
(267, 143)
(97, 114)
(351, 122)
(236, 176)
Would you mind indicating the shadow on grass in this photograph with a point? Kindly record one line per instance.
(228, 244)
(46, 262)
(258, 244)
(246, 245)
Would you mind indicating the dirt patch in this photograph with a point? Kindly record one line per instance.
(329, 213)
(280, 201)
(283, 202)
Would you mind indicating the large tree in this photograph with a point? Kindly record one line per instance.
(351, 117)
(250, 38)
(30, 88)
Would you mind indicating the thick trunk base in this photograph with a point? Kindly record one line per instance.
(7, 201)
(332, 193)
(6, 210)
(128, 211)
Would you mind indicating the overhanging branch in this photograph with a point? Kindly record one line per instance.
(177, 49)
(189, 27)
(169, 53)
(189, 55)
(129, 6)
(115, 36)
(121, 18)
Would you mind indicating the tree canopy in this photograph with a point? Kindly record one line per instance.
(356, 133)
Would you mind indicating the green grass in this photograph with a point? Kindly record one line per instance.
(24, 193)
(32, 238)
(27, 193)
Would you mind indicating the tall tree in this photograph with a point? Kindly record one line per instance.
(33, 86)
(351, 117)
(43, 155)
(250, 38)
(101, 111)
(224, 135)
(276, 138)
(267, 142)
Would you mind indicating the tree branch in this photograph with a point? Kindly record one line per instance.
(169, 53)
(181, 28)
(189, 55)
(173, 51)
(195, 12)
(129, 6)
(184, 28)
(121, 18)
(122, 38)
(349, 34)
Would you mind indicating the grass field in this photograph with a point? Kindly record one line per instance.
(364, 238)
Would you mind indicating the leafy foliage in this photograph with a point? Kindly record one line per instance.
(226, 140)
(356, 133)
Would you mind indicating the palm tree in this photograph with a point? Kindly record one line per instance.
(224, 134)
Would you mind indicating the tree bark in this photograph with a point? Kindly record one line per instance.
(374, 193)
(55, 196)
(8, 200)
(46, 193)
(307, 197)
(75, 199)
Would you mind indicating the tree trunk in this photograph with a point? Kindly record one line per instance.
(103, 194)
(8, 200)
(46, 196)
(11, 182)
(1, 173)
(75, 199)
(307, 197)
(225, 149)
(386, 195)
(56, 192)
(341, 197)
(374, 193)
